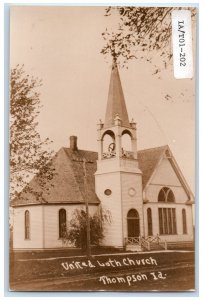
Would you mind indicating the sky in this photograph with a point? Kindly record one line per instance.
(61, 45)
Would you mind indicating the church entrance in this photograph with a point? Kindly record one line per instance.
(133, 223)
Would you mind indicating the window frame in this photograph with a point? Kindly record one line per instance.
(60, 220)
(27, 225)
(149, 222)
(184, 221)
(133, 217)
(167, 221)
(165, 194)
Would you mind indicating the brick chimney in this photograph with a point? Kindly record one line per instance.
(73, 143)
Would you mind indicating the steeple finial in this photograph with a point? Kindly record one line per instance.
(116, 102)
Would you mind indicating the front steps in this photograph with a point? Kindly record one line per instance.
(152, 243)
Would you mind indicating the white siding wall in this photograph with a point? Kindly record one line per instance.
(155, 222)
(51, 220)
(119, 175)
(36, 232)
(113, 232)
(165, 176)
(42, 217)
(129, 202)
(152, 192)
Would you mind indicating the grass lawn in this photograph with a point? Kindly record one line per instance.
(65, 252)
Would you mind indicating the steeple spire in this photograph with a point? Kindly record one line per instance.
(116, 103)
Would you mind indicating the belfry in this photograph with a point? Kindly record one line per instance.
(118, 178)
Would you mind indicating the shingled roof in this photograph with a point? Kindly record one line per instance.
(68, 184)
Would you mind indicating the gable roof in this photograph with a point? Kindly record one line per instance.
(68, 185)
(149, 159)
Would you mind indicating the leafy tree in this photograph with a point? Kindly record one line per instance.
(77, 233)
(28, 153)
(140, 31)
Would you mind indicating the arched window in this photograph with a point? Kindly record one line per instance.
(27, 225)
(184, 221)
(166, 195)
(133, 223)
(149, 220)
(62, 222)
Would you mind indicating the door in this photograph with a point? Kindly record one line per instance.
(133, 223)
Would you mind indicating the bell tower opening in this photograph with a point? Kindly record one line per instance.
(108, 144)
(127, 144)
(126, 141)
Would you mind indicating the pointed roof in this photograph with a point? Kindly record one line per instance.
(116, 102)
(149, 159)
(68, 186)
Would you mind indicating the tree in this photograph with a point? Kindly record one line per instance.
(140, 31)
(77, 232)
(28, 153)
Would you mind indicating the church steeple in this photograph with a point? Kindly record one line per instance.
(116, 128)
(118, 179)
(116, 103)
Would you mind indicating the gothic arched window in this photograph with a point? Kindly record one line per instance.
(62, 222)
(27, 225)
(166, 195)
(184, 220)
(167, 215)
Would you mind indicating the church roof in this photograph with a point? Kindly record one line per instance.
(68, 185)
(148, 160)
(116, 102)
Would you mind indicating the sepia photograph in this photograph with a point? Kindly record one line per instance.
(102, 148)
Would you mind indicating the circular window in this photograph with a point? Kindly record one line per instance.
(107, 192)
(131, 192)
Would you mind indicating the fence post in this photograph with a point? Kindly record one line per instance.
(148, 246)
(125, 243)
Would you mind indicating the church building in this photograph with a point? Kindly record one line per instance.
(142, 192)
